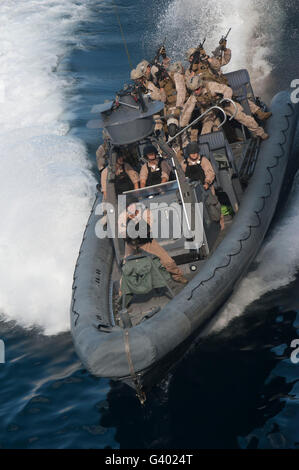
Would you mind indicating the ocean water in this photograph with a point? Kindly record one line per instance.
(238, 388)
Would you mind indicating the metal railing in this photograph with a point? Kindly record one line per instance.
(171, 139)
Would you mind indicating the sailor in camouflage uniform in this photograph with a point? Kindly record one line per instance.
(204, 95)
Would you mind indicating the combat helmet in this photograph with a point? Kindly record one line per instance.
(136, 74)
(142, 67)
(148, 149)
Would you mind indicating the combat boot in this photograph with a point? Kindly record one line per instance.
(262, 116)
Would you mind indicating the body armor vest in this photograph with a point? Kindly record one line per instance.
(170, 90)
(123, 182)
(195, 172)
(154, 176)
(207, 73)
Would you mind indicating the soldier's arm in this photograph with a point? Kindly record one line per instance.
(227, 55)
(215, 63)
(133, 175)
(208, 171)
(156, 94)
(187, 111)
(165, 171)
(218, 88)
(166, 62)
(143, 176)
(101, 157)
(104, 177)
(180, 85)
(184, 165)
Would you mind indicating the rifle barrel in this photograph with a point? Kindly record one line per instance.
(228, 33)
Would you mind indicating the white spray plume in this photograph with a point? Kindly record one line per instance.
(256, 27)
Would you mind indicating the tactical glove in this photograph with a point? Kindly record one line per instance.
(162, 52)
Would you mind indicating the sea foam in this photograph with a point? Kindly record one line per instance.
(46, 186)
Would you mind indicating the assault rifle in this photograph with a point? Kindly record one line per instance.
(160, 52)
(162, 73)
(197, 56)
(218, 51)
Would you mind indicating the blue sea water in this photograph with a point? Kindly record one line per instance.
(238, 388)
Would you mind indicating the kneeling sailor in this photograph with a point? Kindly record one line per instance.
(143, 222)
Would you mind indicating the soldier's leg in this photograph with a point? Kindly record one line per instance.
(247, 121)
(169, 264)
(159, 122)
(178, 152)
(210, 123)
(254, 108)
(257, 111)
(194, 135)
(172, 121)
(129, 250)
(185, 139)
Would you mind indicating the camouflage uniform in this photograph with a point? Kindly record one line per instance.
(153, 247)
(174, 89)
(209, 69)
(217, 63)
(206, 99)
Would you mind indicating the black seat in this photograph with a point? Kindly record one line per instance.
(216, 148)
(217, 141)
(239, 81)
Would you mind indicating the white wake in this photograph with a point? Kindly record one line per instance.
(46, 186)
(278, 263)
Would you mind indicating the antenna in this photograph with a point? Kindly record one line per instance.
(123, 35)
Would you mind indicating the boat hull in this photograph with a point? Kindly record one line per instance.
(156, 344)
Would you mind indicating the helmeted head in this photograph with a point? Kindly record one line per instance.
(120, 159)
(194, 83)
(136, 74)
(192, 150)
(190, 52)
(144, 69)
(150, 152)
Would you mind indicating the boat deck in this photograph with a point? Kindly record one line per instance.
(142, 307)
(145, 306)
